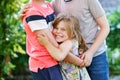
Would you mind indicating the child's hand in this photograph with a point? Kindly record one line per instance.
(43, 40)
(24, 8)
(66, 62)
(87, 59)
(81, 55)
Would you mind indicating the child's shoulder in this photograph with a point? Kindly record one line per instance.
(32, 11)
(49, 4)
(73, 41)
(68, 42)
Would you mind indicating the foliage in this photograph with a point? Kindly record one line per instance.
(113, 42)
(113, 37)
(12, 39)
(12, 36)
(49, 0)
(114, 61)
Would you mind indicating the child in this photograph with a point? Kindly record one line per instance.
(66, 31)
(36, 21)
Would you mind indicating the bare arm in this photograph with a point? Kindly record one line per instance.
(49, 35)
(57, 53)
(73, 59)
(62, 52)
(104, 31)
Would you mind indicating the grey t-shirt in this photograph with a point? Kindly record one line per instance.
(86, 11)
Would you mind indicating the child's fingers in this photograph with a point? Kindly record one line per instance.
(82, 64)
(21, 13)
(26, 6)
(80, 51)
(23, 9)
(82, 56)
(20, 16)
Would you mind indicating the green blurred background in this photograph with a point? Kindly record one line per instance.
(13, 58)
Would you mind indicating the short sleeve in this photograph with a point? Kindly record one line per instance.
(95, 8)
(36, 22)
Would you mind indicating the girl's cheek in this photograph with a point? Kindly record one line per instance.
(53, 32)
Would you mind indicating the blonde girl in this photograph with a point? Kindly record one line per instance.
(66, 31)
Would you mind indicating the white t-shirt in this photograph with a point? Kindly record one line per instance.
(86, 11)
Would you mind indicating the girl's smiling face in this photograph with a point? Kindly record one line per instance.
(60, 32)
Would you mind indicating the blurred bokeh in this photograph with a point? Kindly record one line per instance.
(13, 57)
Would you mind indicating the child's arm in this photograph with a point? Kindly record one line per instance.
(104, 31)
(48, 34)
(38, 24)
(60, 53)
(74, 59)
(57, 53)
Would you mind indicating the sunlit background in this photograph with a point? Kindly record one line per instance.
(13, 58)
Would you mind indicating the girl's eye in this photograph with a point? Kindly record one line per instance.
(55, 28)
(63, 29)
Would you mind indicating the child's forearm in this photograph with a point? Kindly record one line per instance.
(59, 53)
(73, 59)
(56, 53)
(49, 35)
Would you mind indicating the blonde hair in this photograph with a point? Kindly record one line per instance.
(73, 28)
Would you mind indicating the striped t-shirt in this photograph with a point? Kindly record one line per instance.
(38, 18)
